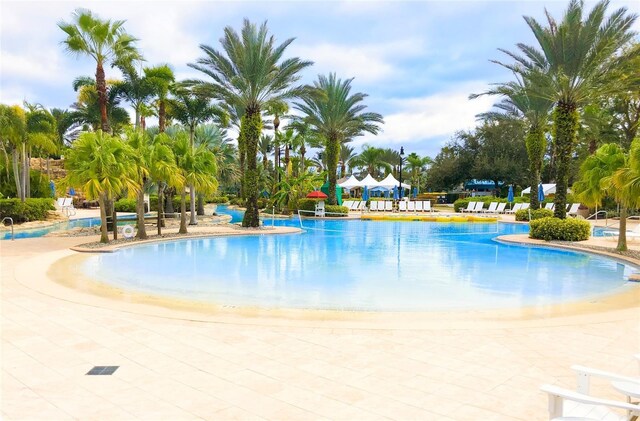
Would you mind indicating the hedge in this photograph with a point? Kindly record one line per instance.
(523, 214)
(310, 205)
(217, 199)
(29, 210)
(560, 229)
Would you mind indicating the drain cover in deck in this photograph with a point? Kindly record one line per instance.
(102, 370)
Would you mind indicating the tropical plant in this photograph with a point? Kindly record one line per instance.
(347, 154)
(265, 146)
(372, 160)
(626, 183)
(161, 79)
(293, 188)
(86, 110)
(337, 115)
(416, 165)
(66, 125)
(278, 109)
(250, 75)
(135, 89)
(104, 41)
(577, 61)
(101, 165)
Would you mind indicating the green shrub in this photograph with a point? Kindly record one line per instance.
(38, 182)
(237, 201)
(263, 202)
(333, 209)
(217, 199)
(125, 205)
(307, 204)
(523, 214)
(559, 229)
(29, 210)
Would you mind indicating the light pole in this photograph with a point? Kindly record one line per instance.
(401, 159)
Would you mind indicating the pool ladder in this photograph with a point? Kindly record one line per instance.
(10, 219)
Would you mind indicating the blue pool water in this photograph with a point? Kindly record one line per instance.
(39, 232)
(364, 265)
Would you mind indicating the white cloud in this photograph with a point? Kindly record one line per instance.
(430, 118)
(41, 65)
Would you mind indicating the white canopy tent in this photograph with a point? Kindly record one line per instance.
(390, 182)
(369, 182)
(350, 183)
(546, 188)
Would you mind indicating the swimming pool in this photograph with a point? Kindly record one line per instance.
(360, 265)
(39, 232)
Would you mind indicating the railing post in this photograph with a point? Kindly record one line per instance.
(10, 220)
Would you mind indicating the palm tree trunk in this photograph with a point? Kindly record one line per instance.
(104, 236)
(333, 150)
(265, 161)
(200, 205)
(251, 126)
(114, 218)
(622, 233)
(160, 221)
(161, 116)
(192, 190)
(535, 143)
(17, 174)
(183, 212)
(25, 172)
(27, 189)
(241, 159)
(137, 121)
(142, 231)
(565, 128)
(303, 150)
(101, 86)
(169, 202)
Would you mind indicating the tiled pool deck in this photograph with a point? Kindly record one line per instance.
(177, 365)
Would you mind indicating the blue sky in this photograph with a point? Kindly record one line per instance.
(417, 60)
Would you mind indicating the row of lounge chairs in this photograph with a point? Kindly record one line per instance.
(495, 207)
(388, 206)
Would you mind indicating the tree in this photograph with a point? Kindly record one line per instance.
(577, 61)
(66, 125)
(337, 115)
(347, 154)
(416, 165)
(161, 79)
(265, 146)
(197, 167)
(250, 74)
(102, 166)
(372, 160)
(136, 89)
(104, 41)
(86, 110)
(278, 109)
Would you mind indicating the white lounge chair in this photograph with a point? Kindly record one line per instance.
(347, 204)
(573, 210)
(362, 206)
(470, 207)
(479, 207)
(501, 207)
(388, 206)
(426, 207)
(373, 206)
(411, 206)
(584, 408)
(515, 208)
(419, 206)
(402, 206)
(525, 206)
(550, 206)
(492, 207)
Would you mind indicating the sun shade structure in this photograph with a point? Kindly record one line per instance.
(390, 182)
(350, 183)
(317, 194)
(369, 182)
(547, 189)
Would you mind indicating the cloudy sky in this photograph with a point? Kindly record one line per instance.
(417, 60)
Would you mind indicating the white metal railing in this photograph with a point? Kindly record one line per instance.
(10, 219)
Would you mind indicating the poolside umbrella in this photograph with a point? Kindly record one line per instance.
(396, 196)
(386, 194)
(415, 192)
(72, 191)
(52, 187)
(365, 194)
(510, 196)
(540, 193)
(317, 194)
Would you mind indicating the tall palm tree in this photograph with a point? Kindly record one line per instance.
(103, 40)
(135, 89)
(372, 159)
(626, 188)
(577, 61)
(347, 154)
(250, 74)
(66, 125)
(191, 110)
(101, 165)
(278, 109)
(86, 110)
(416, 165)
(521, 102)
(337, 115)
(161, 79)
(265, 146)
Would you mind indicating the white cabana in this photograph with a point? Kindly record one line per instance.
(390, 182)
(369, 182)
(546, 188)
(350, 183)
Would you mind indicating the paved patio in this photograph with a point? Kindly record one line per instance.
(179, 365)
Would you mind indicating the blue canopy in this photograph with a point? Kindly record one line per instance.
(540, 193)
(365, 194)
(510, 195)
(386, 194)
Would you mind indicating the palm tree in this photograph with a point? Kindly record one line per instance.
(595, 182)
(278, 109)
(416, 165)
(347, 154)
(192, 110)
(161, 79)
(337, 115)
(576, 62)
(66, 125)
(103, 40)
(197, 167)
(86, 110)
(250, 75)
(521, 102)
(135, 88)
(626, 183)
(101, 165)
(265, 145)
(372, 159)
